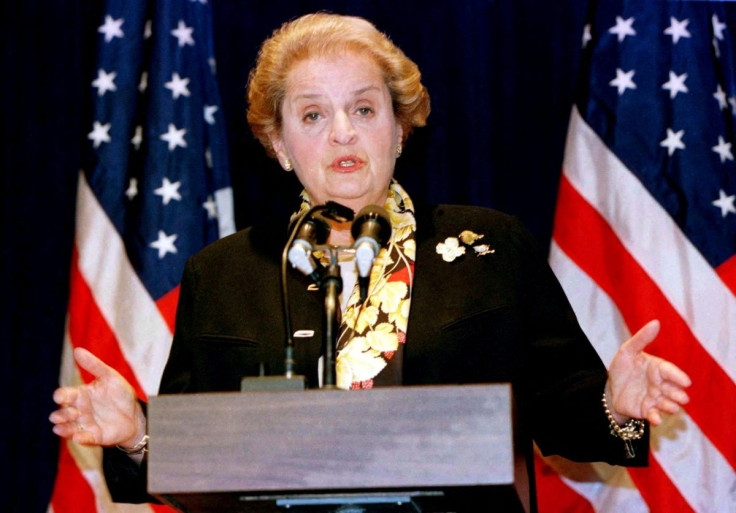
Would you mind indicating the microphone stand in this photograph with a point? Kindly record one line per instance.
(331, 286)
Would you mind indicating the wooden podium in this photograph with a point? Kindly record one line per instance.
(414, 449)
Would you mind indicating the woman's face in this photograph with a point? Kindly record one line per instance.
(339, 130)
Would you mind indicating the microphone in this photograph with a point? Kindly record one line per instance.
(312, 231)
(371, 230)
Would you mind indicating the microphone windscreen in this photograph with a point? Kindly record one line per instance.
(314, 230)
(374, 222)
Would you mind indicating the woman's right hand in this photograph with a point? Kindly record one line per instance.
(103, 412)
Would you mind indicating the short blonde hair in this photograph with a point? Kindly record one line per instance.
(322, 34)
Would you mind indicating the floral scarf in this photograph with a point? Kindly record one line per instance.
(373, 332)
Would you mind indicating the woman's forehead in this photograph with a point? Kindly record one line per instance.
(345, 73)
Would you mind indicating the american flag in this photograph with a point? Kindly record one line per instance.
(646, 228)
(154, 190)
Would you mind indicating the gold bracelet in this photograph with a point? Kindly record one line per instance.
(139, 448)
(632, 430)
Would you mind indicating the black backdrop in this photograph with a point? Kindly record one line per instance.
(500, 74)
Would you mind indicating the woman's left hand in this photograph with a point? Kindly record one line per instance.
(643, 386)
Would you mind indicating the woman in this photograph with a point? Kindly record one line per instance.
(460, 295)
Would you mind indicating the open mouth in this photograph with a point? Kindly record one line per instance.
(347, 163)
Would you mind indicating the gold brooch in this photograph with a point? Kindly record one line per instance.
(469, 237)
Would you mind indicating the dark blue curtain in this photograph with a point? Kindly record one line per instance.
(500, 74)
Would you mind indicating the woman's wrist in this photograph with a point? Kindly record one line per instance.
(628, 430)
(608, 401)
(139, 448)
(138, 443)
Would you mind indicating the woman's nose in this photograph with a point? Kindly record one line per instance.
(343, 131)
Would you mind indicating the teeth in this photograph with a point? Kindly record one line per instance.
(347, 163)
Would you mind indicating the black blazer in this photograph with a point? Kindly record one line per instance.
(499, 317)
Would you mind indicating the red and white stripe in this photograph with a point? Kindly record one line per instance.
(623, 261)
(142, 334)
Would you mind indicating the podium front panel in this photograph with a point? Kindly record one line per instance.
(266, 443)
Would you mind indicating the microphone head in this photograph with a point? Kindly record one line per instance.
(373, 221)
(371, 230)
(314, 230)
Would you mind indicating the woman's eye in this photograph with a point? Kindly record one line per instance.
(365, 111)
(311, 116)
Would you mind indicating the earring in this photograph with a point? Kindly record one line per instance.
(287, 165)
(398, 150)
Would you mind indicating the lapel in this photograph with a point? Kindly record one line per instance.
(427, 285)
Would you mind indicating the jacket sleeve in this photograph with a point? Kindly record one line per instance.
(566, 377)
